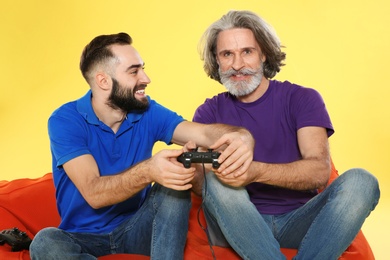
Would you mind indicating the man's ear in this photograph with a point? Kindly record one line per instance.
(263, 58)
(103, 80)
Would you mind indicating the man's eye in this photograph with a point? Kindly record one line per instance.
(227, 54)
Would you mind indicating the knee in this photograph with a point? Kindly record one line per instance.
(220, 193)
(42, 241)
(361, 179)
(173, 200)
(363, 186)
(214, 187)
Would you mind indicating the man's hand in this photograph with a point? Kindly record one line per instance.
(167, 171)
(238, 154)
(236, 144)
(234, 180)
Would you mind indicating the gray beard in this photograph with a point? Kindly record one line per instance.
(241, 88)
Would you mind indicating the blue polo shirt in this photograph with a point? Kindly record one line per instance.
(75, 130)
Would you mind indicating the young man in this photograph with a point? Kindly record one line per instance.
(276, 202)
(103, 166)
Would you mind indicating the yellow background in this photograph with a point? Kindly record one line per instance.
(340, 48)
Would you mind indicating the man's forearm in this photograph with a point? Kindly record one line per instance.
(204, 135)
(306, 174)
(213, 132)
(109, 190)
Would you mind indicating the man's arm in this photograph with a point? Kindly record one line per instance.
(235, 143)
(163, 168)
(311, 172)
(100, 191)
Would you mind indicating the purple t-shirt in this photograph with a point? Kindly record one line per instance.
(273, 120)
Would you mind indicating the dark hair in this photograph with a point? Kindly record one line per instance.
(263, 32)
(98, 51)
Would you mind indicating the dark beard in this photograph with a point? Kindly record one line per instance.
(123, 99)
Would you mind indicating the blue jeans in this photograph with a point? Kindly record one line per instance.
(159, 229)
(323, 228)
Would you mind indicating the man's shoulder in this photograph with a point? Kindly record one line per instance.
(65, 109)
(290, 89)
(285, 85)
(68, 115)
(79, 107)
(223, 97)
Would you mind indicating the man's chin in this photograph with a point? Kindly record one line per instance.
(143, 99)
(239, 92)
(234, 90)
(143, 103)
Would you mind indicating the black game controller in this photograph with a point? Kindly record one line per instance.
(187, 158)
(17, 239)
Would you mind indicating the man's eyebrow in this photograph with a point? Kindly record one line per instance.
(135, 66)
(241, 49)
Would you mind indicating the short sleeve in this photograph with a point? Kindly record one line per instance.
(308, 109)
(67, 137)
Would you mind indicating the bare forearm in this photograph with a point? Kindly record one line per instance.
(215, 131)
(311, 172)
(100, 191)
(307, 174)
(109, 190)
(206, 135)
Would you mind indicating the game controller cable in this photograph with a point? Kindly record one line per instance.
(198, 213)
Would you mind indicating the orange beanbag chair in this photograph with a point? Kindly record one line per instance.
(29, 204)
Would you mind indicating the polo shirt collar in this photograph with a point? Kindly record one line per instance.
(84, 107)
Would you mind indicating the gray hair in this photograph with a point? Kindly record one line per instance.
(264, 35)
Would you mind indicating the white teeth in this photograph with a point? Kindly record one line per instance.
(141, 91)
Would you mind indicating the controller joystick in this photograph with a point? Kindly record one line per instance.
(194, 156)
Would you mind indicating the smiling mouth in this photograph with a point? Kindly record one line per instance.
(140, 92)
(240, 76)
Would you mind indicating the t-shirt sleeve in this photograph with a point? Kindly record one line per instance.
(308, 109)
(164, 122)
(67, 138)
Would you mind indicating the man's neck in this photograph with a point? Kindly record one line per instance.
(113, 118)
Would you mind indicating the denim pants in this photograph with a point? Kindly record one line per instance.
(323, 228)
(159, 229)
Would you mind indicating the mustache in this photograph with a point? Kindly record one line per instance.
(244, 71)
(140, 86)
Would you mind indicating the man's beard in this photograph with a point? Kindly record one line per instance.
(123, 98)
(244, 87)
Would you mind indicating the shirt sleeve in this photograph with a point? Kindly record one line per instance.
(163, 121)
(308, 109)
(67, 137)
